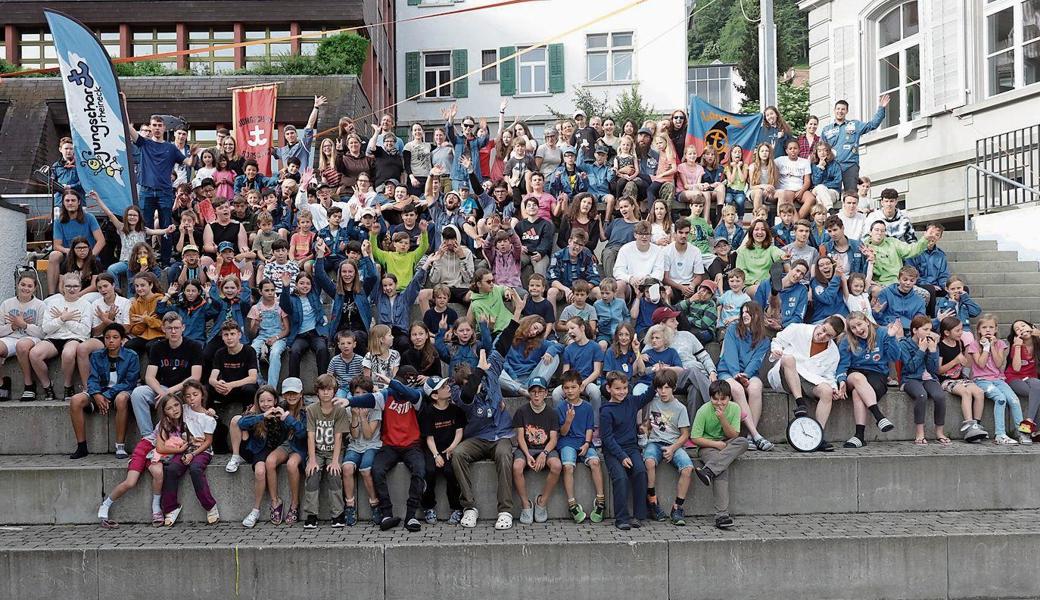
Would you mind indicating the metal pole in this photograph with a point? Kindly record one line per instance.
(767, 55)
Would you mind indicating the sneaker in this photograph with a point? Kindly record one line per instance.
(653, 509)
(622, 526)
(1024, 439)
(311, 522)
(377, 516)
(635, 523)
(541, 513)
(212, 516)
(1003, 440)
(678, 516)
(70, 391)
(577, 513)
(80, 452)
(48, 394)
(413, 525)
(596, 516)
(762, 444)
(121, 452)
(751, 444)
(801, 410)
(1027, 426)
(292, 516)
(339, 520)
(251, 518)
(704, 474)
(885, 425)
(430, 516)
(388, 523)
(233, 463)
(455, 518)
(29, 393)
(171, 517)
(975, 433)
(468, 518)
(276, 513)
(723, 521)
(5, 389)
(350, 516)
(527, 515)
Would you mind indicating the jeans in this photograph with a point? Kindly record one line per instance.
(737, 199)
(142, 400)
(315, 343)
(628, 480)
(655, 451)
(174, 470)
(513, 386)
(119, 270)
(386, 459)
(429, 495)
(850, 179)
(274, 360)
(718, 461)
(592, 391)
(1002, 395)
(158, 199)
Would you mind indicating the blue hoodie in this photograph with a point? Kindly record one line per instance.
(857, 261)
(739, 355)
(455, 353)
(734, 240)
(932, 268)
(519, 365)
(559, 182)
(617, 423)
(369, 279)
(194, 318)
(828, 300)
(917, 361)
(396, 313)
(598, 178)
(965, 308)
(256, 444)
(486, 415)
(793, 301)
(220, 309)
(898, 305)
(876, 359)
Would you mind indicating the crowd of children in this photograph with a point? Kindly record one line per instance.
(428, 281)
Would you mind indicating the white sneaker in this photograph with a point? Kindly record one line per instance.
(251, 518)
(1003, 440)
(469, 518)
(232, 465)
(213, 516)
(505, 521)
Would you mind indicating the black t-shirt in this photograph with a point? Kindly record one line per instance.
(432, 318)
(586, 134)
(174, 364)
(542, 308)
(414, 357)
(441, 424)
(233, 367)
(349, 317)
(225, 233)
(717, 266)
(946, 354)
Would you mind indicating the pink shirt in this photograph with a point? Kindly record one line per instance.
(545, 205)
(688, 176)
(989, 371)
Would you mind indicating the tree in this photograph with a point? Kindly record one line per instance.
(585, 101)
(793, 103)
(630, 105)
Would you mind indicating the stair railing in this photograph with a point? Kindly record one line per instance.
(986, 173)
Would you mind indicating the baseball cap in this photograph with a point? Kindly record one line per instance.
(537, 382)
(663, 314)
(579, 112)
(292, 384)
(569, 150)
(720, 240)
(602, 149)
(225, 246)
(433, 384)
(196, 183)
(288, 127)
(392, 182)
(645, 130)
(371, 212)
(710, 285)
(190, 248)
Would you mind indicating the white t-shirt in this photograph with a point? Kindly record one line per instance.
(199, 425)
(792, 173)
(682, 266)
(633, 263)
(122, 310)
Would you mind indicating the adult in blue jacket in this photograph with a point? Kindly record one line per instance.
(844, 135)
(351, 307)
(308, 328)
(467, 144)
(744, 348)
(114, 372)
(866, 353)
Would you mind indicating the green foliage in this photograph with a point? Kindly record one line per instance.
(6, 67)
(631, 106)
(793, 104)
(340, 54)
(584, 100)
(148, 68)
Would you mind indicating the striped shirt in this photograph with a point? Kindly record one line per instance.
(344, 371)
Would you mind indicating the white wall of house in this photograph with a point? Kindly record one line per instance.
(645, 44)
(977, 76)
(12, 251)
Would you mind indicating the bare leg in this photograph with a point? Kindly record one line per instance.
(259, 483)
(555, 467)
(568, 481)
(349, 487)
(274, 459)
(122, 416)
(684, 481)
(823, 407)
(76, 406)
(22, 349)
(597, 476)
(519, 465)
(293, 469)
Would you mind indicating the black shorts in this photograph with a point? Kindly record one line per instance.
(59, 345)
(252, 459)
(876, 380)
(808, 388)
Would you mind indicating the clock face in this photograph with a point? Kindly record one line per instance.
(805, 434)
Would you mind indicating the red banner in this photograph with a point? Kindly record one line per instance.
(253, 113)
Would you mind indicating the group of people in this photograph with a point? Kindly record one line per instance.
(594, 270)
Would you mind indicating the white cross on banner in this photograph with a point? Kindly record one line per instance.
(253, 111)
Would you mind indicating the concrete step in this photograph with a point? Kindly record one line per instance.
(954, 236)
(969, 267)
(998, 277)
(883, 477)
(981, 292)
(869, 555)
(966, 245)
(986, 255)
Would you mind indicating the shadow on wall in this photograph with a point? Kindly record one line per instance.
(1012, 230)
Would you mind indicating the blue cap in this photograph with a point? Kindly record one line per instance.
(538, 382)
(225, 246)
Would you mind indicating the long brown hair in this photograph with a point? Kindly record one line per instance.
(754, 173)
(757, 327)
(340, 286)
(524, 336)
(750, 243)
(427, 354)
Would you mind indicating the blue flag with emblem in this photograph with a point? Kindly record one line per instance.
(99, 134)
(710, 126)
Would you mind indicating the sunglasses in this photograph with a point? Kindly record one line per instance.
(467, 124)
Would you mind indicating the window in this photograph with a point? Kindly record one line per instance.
(216, 61)
(608, 57)
(899, 63)
(489, 70)
(312, 37)
(531, 71)
(202, 137)
(3, 45)
(154, 41)
(110, 40)
(436, 74)
(713, 83)
(1012, 38)
(37, 50)
(266, 53)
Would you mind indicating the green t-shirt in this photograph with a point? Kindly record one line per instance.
(493, 304)
(707, 425)
(401, 265)
(756, 262)
(700, 234)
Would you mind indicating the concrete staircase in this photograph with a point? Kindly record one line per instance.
(890, 520)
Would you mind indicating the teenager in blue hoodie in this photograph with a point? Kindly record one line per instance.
(619, 434)
(354, 283)
(932, 267)
(307, 325)
(793, 296)
(899, 302)
(956, 303)
(844, 250)
(743, 350)
(866, 353)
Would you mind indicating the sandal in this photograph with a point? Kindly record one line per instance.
(276, 513)
(943, 440)
(109, 524)
(158, 520)
(921, 441)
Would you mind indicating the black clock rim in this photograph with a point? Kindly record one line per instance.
(792, 422)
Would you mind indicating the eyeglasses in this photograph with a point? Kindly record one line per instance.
(72, 286)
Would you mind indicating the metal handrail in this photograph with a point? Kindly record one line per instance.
(967, 185)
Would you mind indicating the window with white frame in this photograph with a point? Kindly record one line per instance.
(155, 41)
(488, 68)
(436, 74)
(1012, 42)
(608, 57)
(37, 49)
(532, 71)
(713, 83)
(214, 61)
(273, 52)
(899, 62)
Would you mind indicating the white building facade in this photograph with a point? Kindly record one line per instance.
(644, 44)
(957, 71)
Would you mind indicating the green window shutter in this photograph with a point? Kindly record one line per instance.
(414, 2)
(459, 68)
(556, 81)
(411, 74)
(507, 71)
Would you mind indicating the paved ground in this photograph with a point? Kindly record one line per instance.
(820, 526)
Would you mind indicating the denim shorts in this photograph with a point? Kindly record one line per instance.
(655, 451)
(569, 456)
(362, 461)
